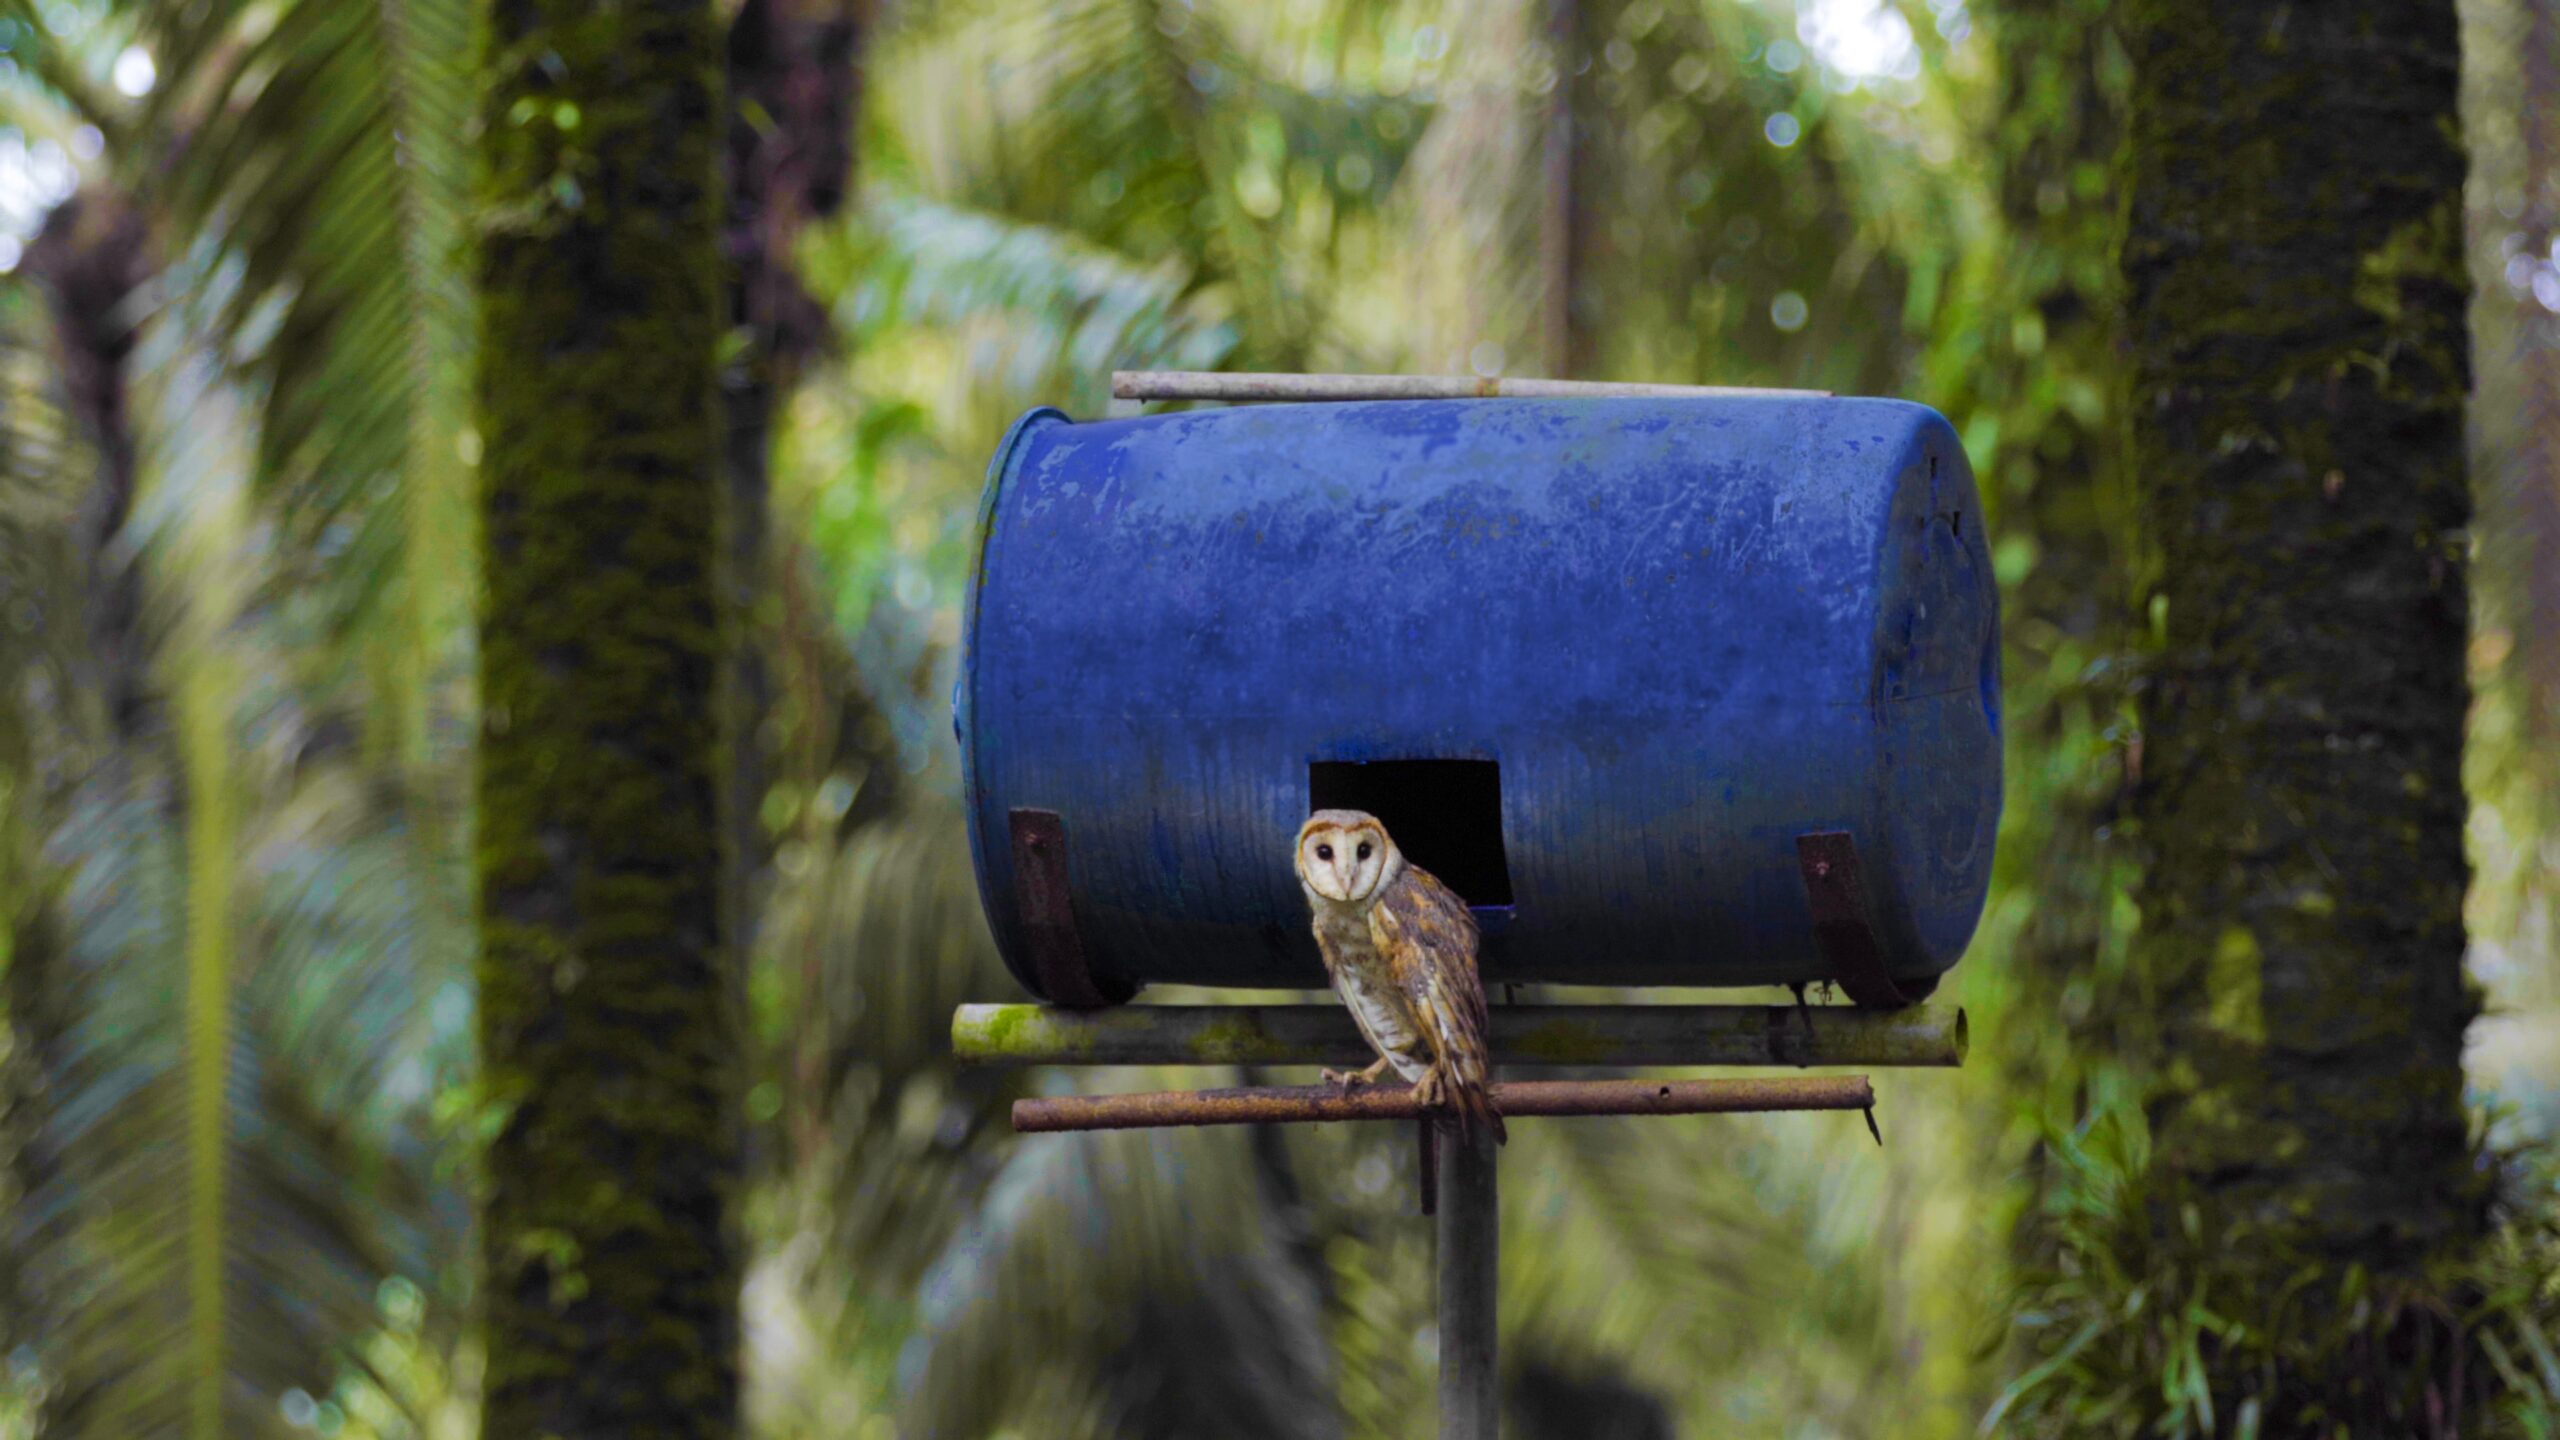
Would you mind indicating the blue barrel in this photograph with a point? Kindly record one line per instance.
(1601, 664)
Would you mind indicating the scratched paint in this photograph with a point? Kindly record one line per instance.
(1687, 629)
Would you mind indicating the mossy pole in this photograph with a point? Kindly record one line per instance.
(612, 1278)
(1923, 1035)
(2295, 296)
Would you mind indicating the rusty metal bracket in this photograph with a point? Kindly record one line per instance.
(1835, 885)
(1046, 910)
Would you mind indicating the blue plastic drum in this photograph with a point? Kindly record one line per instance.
(1599, 664)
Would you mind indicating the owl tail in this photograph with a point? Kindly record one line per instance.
(1473, 1104)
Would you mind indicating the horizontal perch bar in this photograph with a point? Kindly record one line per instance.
(1269, 1106)
(1218, 385)
(1522, 1035)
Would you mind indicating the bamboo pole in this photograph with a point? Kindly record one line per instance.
(1302, 1104)
(1922, 1035)
(1219, 385)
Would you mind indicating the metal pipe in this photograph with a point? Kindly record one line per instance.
(1218, 385)
(1282, 1105)
(1470, 1236)
(1922, 1035)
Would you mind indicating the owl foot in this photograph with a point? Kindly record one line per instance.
(1348, 1079)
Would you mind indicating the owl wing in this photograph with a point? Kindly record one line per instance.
(1428, 939)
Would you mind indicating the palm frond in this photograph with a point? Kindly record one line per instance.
(1151, 130)
(306, 168)
(1056, 309)
(228, 1147)
(1204, 1326)
(192, 1257)
(221, 1121)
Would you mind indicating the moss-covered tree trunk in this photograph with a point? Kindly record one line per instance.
(606, 1039)
(2296, 294)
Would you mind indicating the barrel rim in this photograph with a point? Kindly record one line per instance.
(964, 699)
(1930, 432)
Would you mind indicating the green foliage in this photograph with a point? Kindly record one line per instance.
(306, 172)
(1183, 146)
(2510, 126)
(2144, 1332)
(232, 929)
(221, 1059)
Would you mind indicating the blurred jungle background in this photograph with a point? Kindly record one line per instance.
(245, 1132)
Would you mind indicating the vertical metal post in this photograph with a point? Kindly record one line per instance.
(1470, 1244)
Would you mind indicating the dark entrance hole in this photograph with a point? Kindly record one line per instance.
(1445, 815)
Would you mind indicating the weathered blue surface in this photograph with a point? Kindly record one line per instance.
(1688, 630)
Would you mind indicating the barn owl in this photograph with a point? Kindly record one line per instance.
(1401, 949)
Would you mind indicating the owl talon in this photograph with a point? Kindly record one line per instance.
(1351, 1079)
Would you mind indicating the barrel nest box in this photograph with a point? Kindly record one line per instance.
(1614, 669)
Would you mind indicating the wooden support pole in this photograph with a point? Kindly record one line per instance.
(1470, 1236)
(1218, 385)
(1922, 1035)
(1288, 1105)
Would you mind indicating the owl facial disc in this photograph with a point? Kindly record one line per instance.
(1345, 856)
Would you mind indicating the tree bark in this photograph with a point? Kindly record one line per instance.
(794, 89)
(606, 1034)
(90, 258)
(2296, 298)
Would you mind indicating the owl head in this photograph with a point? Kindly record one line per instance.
(1345, 856)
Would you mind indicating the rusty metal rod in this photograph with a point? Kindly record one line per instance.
(1282, 1105)
(1217, 385)
(1923, 1035)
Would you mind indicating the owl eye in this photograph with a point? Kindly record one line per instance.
(1324, 852)
(1364, 849)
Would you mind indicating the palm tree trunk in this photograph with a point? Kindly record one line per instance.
(794, 88)
(607, 1035)
(2296, 304)
(89, 258)
(2536, 479)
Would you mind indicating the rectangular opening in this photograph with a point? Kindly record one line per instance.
(1445, 815)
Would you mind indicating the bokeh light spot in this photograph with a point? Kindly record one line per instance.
(1861, 39)
(134, 73)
